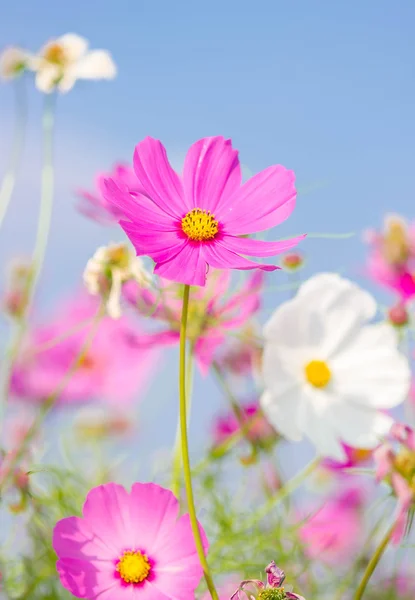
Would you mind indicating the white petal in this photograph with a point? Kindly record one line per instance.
(67, 81)
(318, 426)
(46, 78)
(97, 64)
(283, 411)
(75, 46)
(361, 427)
(329, 291)
(372, 372)
(294, 324)
(282, 368)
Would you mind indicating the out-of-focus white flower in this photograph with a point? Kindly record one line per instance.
(328, 374)
(13, 62)
(108, 269)
(62, 61)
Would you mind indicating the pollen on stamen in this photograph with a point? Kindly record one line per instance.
(133, 567)
(200, 225)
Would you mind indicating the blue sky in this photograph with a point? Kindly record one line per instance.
(325, 88)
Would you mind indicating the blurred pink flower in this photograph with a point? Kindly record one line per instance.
(334, 532)
(397, 467)
(354, 458)
(211, 313)
(128, 545)
(96, 207)
(200, 220)
(391, 260)
(260, 431)
(115, 367)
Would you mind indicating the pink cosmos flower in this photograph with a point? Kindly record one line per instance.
(260, 432)
(113, 369)
(212, 311)
(334, 532)
(391, 260)
(255, 589)
(190, 223)
(94, 205)
(398, 469)
(128, 546)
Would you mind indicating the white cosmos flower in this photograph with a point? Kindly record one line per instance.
(111, 267)
(13, 62)
(328, 373)
(62, 61)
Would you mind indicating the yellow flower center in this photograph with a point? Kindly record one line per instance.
(133, 567)
(360, 454)
(55, 54)
(395, 243)
(200, 225)
(405, 464)
(318, 373)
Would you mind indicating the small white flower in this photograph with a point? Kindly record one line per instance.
(13, 61)
(62, 61)
(328, 374)
(111, 267)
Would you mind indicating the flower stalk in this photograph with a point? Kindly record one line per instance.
(185, 448)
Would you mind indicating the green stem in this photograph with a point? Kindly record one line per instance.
(9, 180)
(244, 424)
(46, 201)
(282, 493)
(373, 563)
(185, 449)
(45, 215)
(177, 453)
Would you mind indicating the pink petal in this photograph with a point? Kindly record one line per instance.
(220, 257)
(265, 200)
(153, 516)
(180, 570)
(250, 289)
(205, 349)
(258, 247)
(161, 246)
(88, 579)
(187, 267)
(404, 495)
(383, 457)
(72, 538)
(107, 512)
(139, 209)
(158, 179)
(211, 172)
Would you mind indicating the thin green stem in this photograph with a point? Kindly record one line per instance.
(177, 453)
(244, 424)
(46, 201)
(282, 493)
(45, 215)
(9, 179)
(185, 449)
(373, 563)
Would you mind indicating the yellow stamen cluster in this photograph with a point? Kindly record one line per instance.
(200, 225)
(395, 243)
(272, 594)
(404, 463)
(317, 373)
(133, 567)
(55, 53)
